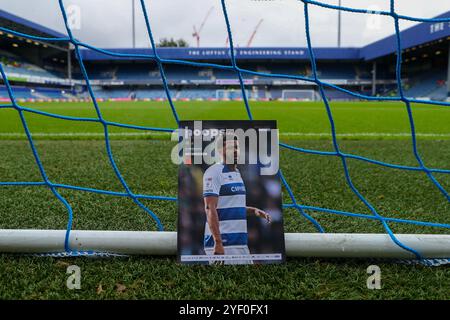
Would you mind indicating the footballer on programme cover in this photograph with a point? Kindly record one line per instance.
(229, 193)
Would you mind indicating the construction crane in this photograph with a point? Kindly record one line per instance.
(254, 33)
(197, 32)
(250, 40)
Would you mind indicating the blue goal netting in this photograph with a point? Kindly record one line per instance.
(314, 80)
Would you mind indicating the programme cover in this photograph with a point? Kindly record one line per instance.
(229, 193)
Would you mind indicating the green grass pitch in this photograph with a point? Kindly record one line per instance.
(360, 120)
(74, 153)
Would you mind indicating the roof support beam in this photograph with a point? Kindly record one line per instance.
(448, 72)
(374, 78)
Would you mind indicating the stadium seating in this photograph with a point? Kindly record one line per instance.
(29, 70)
(198, 83)
(197, 94)
(141, 71)
(335, 95)
(14, 65)
(35, 93)
(428, 84)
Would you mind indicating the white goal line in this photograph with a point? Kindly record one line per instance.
(156, 133)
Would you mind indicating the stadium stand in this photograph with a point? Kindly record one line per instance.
(44, 72)
(37, 93)
(429, 84)
(137, 72)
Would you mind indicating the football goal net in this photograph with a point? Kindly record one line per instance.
(300, 95)
(418, 244)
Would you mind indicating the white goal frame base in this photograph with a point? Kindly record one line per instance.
(328, 245)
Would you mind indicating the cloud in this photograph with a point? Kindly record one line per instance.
(107, 23)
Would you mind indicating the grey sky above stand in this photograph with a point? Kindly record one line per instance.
(107, 23)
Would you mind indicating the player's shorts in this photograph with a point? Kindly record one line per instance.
(232, 250)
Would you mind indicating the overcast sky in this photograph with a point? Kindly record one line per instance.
(107, 23)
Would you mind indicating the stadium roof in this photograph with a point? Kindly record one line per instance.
(224, 53)
(417, 35)
(26, 26)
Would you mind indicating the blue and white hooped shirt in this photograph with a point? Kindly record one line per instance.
(219, 180)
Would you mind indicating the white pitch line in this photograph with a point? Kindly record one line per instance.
(364, 134)
(82, 134)
(298, 134)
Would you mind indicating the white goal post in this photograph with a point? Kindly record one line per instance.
(298, 94)
(328, 245)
